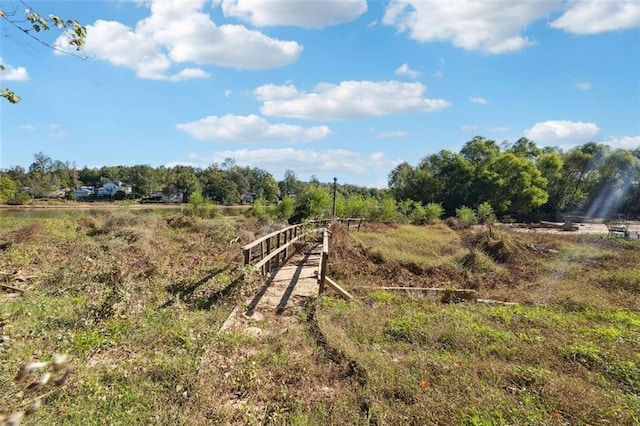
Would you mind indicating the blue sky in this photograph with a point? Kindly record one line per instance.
(335, 88)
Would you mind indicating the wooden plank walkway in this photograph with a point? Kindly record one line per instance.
(285, 288)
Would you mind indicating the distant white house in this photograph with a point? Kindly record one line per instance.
(110, 189)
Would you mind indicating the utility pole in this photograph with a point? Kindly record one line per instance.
(335, 186)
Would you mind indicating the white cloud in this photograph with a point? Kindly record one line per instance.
(385, 134)
(349, 99)
(598, 16)
(251, 128)
(438, 74)
(189, 73)
(405, 70)
(268, 92)
(28, 127)
(301, 13)
(498, 129)
(304, 162)
(562, 131)
(624, 142)
(13, 73)
(228, 93)
(582, 85)
(467, 128)
(178, 31)
(479, 101)
(492, 27)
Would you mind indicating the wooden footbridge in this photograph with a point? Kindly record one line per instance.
(293, 261)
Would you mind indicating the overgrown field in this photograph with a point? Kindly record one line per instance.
(568, 354)
(132, 299)
(136, 302)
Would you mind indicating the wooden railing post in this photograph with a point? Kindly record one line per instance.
(277, 258)
(285, 254)
(247, 256)
(264, 268)
(322, 273)
(268, 264)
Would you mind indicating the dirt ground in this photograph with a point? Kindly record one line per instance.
(583, 228)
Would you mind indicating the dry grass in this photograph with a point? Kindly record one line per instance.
(568, 356)
(137, 300)
(132, 298)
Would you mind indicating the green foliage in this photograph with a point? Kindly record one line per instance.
(8, 188)
(285, 208)
(592, 179)
(389, 210)
(259, 211)
(200, 206)
(418, 214)
(486, 214)
(313, 203)
(73, 30)
(433, 212)
(466, 216)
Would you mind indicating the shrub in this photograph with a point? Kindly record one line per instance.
(433, 212)
(486, 214)
(466, 216)
(418, 214)
(284, 210)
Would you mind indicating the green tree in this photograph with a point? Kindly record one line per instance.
(290, 185)
(513, 184)
(525, 148)
(186, 180)
(8, 187)
(32, 24)
(617, 175)
(41, 177)
(314, 203)
(219, 188)
(285, 208)
(580, 173)
(550, 164)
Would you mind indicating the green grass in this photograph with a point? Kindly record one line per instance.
(567, 356)
(493, 365)
(421, 247)
(136, 302)
(133, 318)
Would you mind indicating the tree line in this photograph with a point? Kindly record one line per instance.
(520, 179)
(485, 177)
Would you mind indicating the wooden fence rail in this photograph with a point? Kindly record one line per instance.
(273, 249)
(274, 246)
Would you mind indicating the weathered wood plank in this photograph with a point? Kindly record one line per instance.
(335, 287)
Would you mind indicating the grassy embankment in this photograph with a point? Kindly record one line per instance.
(569, 354)
(136, 302)
(133, 299)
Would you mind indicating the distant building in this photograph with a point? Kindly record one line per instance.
(110, 189)
(85, 191)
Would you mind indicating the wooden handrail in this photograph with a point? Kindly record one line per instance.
(266, 237)
(275, 245)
